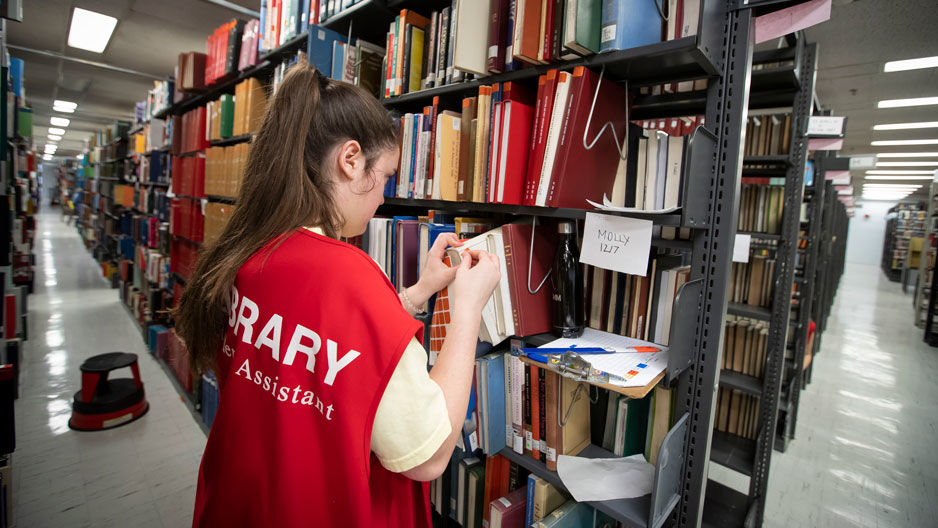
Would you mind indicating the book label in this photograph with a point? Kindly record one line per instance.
(551, 454)
(741, 248)
(528, 441)
(518, 444)
(616, 243)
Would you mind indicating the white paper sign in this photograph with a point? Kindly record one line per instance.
(616, 243)
(600, 479)
(741, 248)
(825, 126)
(862, 162)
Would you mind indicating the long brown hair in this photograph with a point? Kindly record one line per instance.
(285, 187)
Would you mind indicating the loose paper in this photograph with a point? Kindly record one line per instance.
(825, 144)
(825, 126)
(601, 479)
(616, 243)
(784, 21)
(741, 248)
(608, 206)
(636, 369)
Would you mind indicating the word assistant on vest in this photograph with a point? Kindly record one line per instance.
(245, 318)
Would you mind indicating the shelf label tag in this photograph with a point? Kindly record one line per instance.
(862, 162)
(616, 243)
(741, 248)
(825, 126)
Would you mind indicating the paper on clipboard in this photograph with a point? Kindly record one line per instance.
(636, 368)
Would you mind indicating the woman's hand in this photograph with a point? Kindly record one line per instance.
(436, 275)
(476, 278)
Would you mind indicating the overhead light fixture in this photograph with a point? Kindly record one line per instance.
(61, 131)
(898, 178)
(908, 155)
(892, 186)
(59, 121)
(899, 172)
(911, 64)
(67, 107)
(907, 163)
(906, 126)
(50, 148)
(47, 157)
(53, 137)
(90, 31)
(915, 101)
(80, 156)
(902, 142)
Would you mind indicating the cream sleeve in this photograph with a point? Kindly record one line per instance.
(412, 421)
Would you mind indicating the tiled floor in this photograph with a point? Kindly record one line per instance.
(864, 453)
(865, 448)
(142, 474)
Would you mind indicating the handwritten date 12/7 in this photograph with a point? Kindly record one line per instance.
(609, 248)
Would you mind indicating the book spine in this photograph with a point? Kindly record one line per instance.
(491, 61)
(451, 43)
(429, 66)
(442, 50)
(528, 435)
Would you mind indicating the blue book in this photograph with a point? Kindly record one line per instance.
(627, 24)
(574, 514)
(319, 47)
(338, 60)
(304, 16)
(415, 141)
(494, 369)
(529, 505)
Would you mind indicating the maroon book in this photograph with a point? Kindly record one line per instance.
(530, 312)
(580, 174)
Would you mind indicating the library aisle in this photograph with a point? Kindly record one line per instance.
(864, 452)
(141, 474)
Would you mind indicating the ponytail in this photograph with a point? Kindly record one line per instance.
(285, 186)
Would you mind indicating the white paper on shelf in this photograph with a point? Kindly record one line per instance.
(600, 479)
(645, 365)
(607, 206)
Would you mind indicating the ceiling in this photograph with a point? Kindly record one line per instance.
(853, 46)
(149, 36)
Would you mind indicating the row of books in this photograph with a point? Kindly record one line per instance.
(768, 135)
(496, 493)
(216, 217)
(744, 345)
(223, 51)
(186, 219)
(752, 282)
(737, 413)
(154, 202)
(250, 103)
(281, 20)
(224, 169)
(760, 208)
(183, 255)
(220, 117)
(448, 46)
(189, 175)
(632, 305)
(189, 132)
(512, 144)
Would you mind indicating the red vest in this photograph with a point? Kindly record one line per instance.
(314, 334)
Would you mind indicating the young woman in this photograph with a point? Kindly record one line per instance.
(328, 416)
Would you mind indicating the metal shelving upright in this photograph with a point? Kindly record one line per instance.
(752, 457)
(927, 261)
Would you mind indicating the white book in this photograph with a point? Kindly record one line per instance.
(503, 151)
(651, 169)
(640, 174)
(403, 178)
(662, 176)
(672, 190)
(553, 138)
(471, 39)
(621, 416)
(618, 187)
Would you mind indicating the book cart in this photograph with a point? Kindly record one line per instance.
(721, 52)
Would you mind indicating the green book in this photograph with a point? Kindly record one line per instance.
(24, 122)
(636, 426)
(582, 26)
(227, 116)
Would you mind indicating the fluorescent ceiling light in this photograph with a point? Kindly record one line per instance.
(47, 157)
(50, 149)
(902, 172)
(915, 101)
(907, 126)
(890, 198)
(61, 131)
(907, 163)
(911, 64)
(898, 178)
(908, 155)
(65, 104)
(90, 31)
(80, 156)
(59, 121)
(64, 109)
(53, 137)
(900, 142)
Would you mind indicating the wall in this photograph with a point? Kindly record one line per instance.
(865, 237)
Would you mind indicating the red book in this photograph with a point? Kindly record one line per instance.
(528, 16)
(9, 316)
(387, 65)
(433, 111)
(530, 312)
(521, 92)
(545, 103)
(580, 174)
(498, 25)
(508, 511)
(515, 141)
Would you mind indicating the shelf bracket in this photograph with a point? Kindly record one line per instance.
(667, 487)
(701, 152)
(681, 339)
